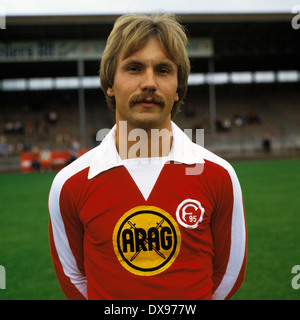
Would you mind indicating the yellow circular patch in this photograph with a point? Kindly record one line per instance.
(146, 240)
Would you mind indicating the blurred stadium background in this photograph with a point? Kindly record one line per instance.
(243, 91)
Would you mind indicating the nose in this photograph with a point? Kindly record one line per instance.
(149, 80)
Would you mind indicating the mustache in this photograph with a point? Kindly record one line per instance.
(149, 97)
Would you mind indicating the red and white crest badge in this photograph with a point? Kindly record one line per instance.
(190, 213)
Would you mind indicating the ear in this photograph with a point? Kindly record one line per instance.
(176, 98)
(110, 92)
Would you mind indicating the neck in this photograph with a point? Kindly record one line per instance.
(143, 143)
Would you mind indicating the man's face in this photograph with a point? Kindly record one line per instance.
(145, 87)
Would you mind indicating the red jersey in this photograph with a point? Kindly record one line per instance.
(170, 228)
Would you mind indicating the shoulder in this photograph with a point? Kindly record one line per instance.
(72, 170)
(212, 158)
(225, 175)
(218, 167)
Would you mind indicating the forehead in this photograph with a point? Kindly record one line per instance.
(150, 50)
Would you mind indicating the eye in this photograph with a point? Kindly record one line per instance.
(133, 69)
(163, 71)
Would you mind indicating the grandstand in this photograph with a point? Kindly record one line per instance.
(244, 86)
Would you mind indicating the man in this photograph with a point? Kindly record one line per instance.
(147, 214)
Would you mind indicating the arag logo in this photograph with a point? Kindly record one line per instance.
(146, 240)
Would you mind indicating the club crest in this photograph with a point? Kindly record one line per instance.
(190, 213)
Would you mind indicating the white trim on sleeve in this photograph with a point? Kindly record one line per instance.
(60, 238)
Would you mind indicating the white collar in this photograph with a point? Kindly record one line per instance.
(183, 151)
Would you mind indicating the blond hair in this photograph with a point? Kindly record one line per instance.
(130, 33)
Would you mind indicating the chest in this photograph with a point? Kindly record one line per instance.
(188, 200)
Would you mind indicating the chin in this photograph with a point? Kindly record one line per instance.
(148, 122)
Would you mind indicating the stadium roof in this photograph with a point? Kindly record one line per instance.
(110, 18)
(260, 39)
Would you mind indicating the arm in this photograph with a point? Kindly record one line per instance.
(66, 240)
(229, 236)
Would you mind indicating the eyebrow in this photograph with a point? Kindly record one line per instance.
(128, 62)
(168, 65)
(164, 64)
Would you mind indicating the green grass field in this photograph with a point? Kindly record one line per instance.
(272, 202)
